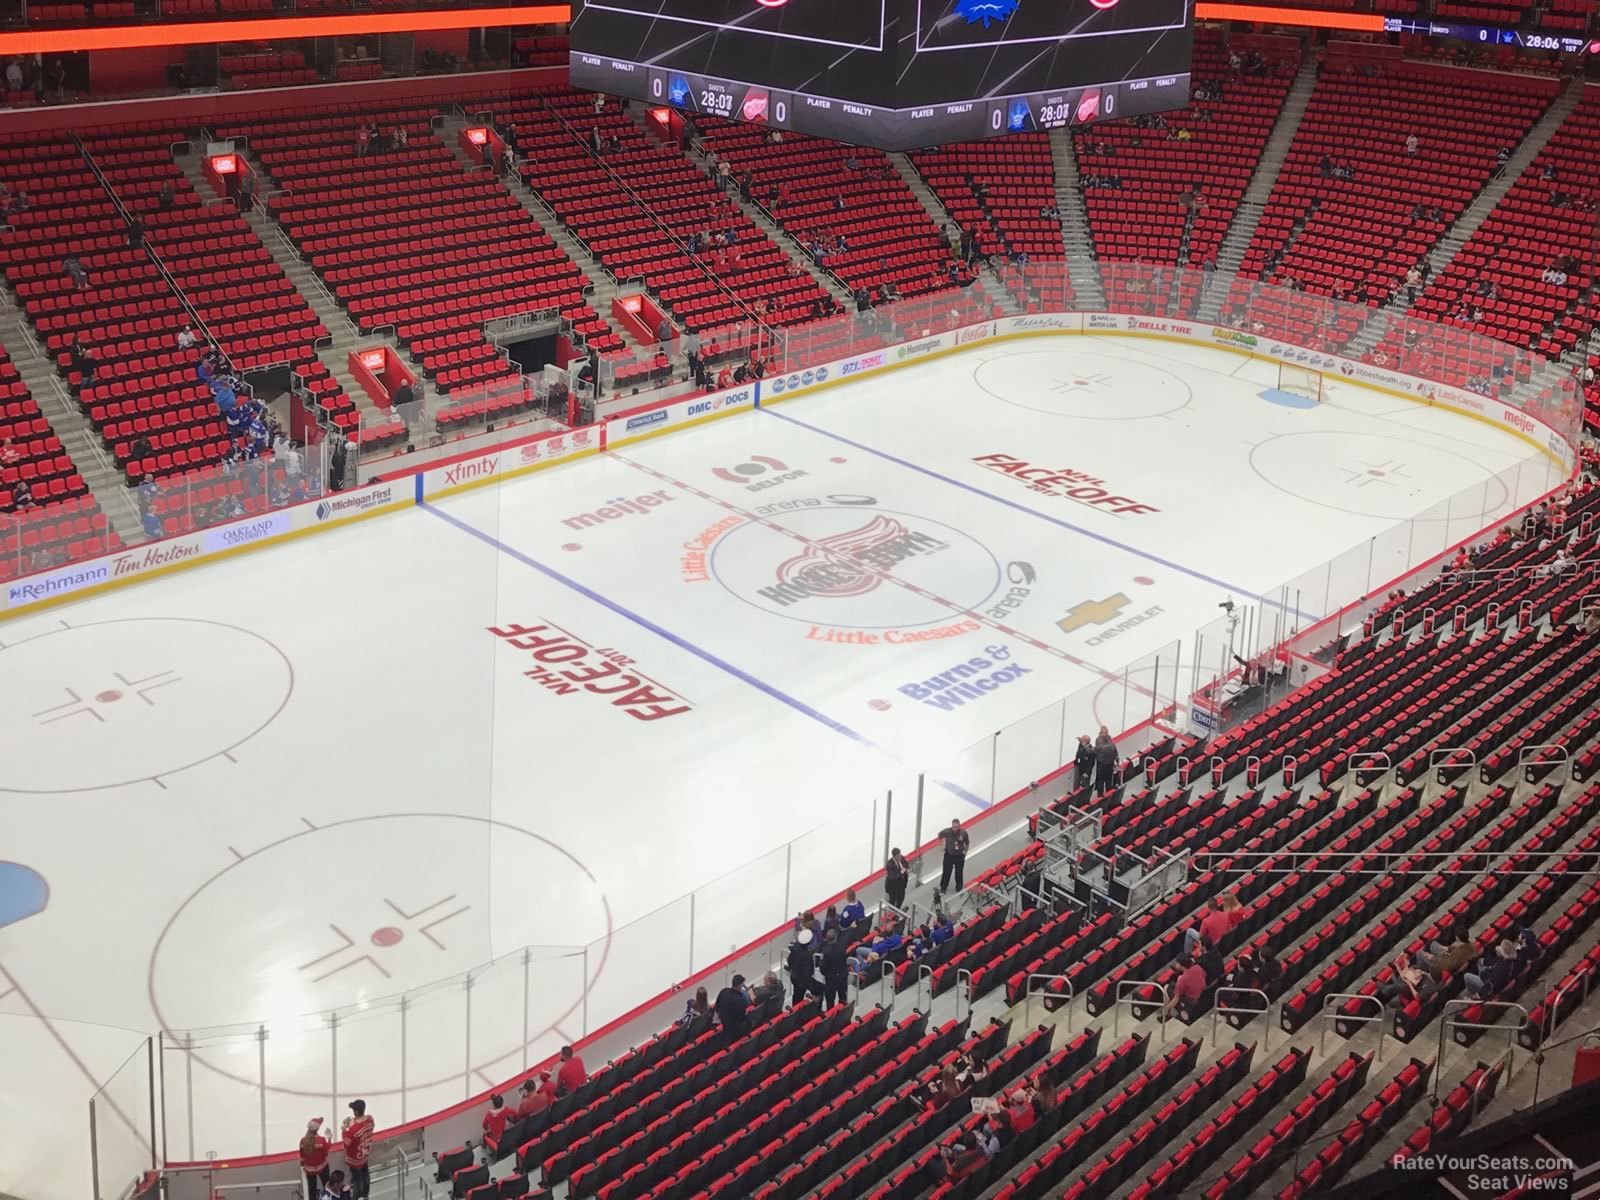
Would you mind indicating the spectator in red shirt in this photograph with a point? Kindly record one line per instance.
(1224, 916)
(571, 1075)
(495, 1122)
(358, 1132)
(1191, 986)
(536, 1096)
(1019, 1111)
(314, 1157)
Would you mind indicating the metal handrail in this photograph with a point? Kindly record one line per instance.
(1353, 763)
(1033, 990)
(294, 1187)
(1418, 862)
(1523, 753)
(1325, 1014)
(1555, 1005)
(1124, 999)
(1477, 1088)
(963, 990)
(1436, 756)
(1217, 1010)
(1461, 1003)
(1538, 1058)
(924, 972)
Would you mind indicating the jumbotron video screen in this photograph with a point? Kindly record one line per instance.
(896, 74)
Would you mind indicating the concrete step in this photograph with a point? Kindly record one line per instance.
(1247, 216)
(346, 336)
(822, 277)
(1444, 251)
(78, 438)
(604, 286)
(1076, 234)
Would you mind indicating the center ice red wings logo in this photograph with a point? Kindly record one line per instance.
(832, 566)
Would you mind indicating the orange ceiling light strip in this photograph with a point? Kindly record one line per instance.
(196, 33)
(1306, 17)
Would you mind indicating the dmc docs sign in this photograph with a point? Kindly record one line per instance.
(661, 417)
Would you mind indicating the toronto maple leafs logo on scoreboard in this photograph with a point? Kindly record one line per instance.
(987, 11)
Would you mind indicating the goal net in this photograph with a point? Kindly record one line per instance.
(1300, 381)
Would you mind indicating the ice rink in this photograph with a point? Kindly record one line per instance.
(540, 714)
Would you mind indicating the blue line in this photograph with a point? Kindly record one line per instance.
(1023, 508)
(645, 623)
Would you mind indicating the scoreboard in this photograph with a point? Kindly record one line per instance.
(896, 74)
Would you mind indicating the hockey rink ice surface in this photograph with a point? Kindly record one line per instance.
(347, 767)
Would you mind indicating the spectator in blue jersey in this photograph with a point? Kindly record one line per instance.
(853, 912)
(865, 956)
(941, 931)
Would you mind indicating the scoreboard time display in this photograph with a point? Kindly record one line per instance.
(896, 74)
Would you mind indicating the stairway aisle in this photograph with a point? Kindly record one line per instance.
(78, 438)
(1265, 177)
(336, 357)
(1075, 233)
(604, 286)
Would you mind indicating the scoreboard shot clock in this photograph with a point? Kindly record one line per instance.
(896, 74)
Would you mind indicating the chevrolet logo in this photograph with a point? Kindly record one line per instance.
(1092, 612)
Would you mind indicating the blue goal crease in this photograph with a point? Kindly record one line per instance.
(699, 652)
(1232, 588)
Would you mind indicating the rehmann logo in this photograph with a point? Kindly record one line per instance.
(354, 502)
(72, 579)
(645, 420)
(913, 349)
(57, 583)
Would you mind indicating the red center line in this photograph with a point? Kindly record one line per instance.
(884, 575)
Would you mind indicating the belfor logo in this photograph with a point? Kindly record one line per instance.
(759, 464)
(765, 470)
(1092, 612)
